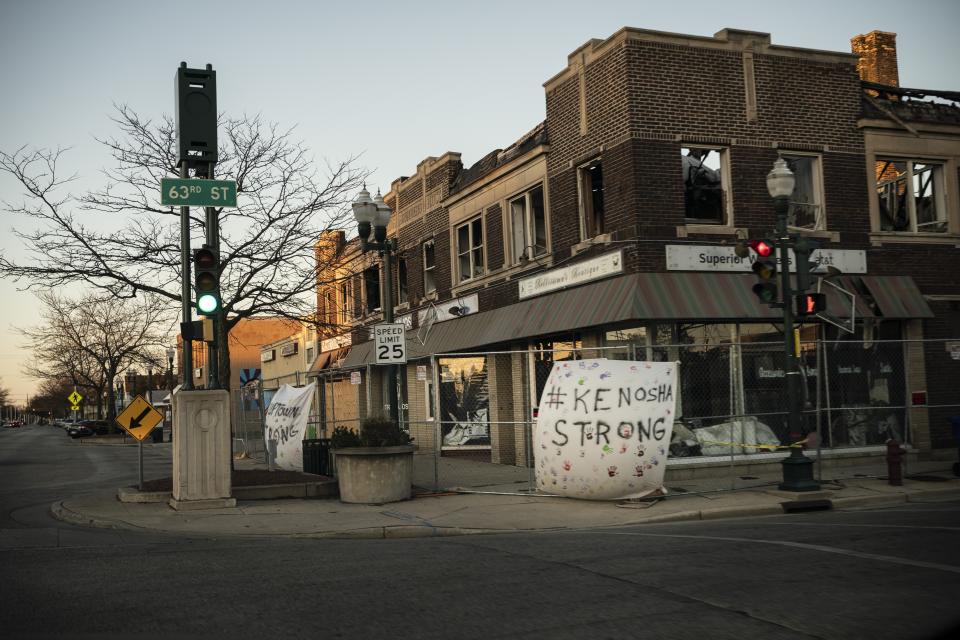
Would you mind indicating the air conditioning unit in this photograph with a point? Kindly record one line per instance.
(288, 349)
(267, 356)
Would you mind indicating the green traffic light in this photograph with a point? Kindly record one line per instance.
(207, 304)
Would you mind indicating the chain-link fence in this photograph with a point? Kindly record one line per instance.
(472, 414)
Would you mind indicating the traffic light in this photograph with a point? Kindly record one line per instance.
(765, 266)
(802, 250)
(206, 282)
(809, 304)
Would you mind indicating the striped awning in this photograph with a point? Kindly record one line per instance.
(718, 297)
(897, 297)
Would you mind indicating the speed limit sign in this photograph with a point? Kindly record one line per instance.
(390, 343)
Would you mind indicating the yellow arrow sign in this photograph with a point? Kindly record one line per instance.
(74, 398)
(139, 418)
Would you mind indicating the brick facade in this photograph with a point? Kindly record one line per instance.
(633, 101)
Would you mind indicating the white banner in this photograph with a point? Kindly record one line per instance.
(604, 428)
(286, 422)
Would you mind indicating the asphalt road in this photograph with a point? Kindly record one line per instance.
(881, 573)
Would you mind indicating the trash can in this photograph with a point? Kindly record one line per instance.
(157, 434)
(316, 456)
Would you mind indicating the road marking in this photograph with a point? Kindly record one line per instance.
(880, 526)
(799, 545)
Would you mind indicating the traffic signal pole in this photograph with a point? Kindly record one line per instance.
(213, 239)
(186, 363)
(797, 468)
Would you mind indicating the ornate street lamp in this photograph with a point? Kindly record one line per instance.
(374, 212)
(797, 468)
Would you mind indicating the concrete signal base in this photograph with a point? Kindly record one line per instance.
(201, 450)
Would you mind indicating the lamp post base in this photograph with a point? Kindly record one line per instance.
(798, 473)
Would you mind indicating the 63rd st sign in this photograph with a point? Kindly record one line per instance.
(191, 192)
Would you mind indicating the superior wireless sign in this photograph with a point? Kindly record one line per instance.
(724, 258)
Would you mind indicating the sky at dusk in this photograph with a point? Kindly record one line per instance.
(391, 82)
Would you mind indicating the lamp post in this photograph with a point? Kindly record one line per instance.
(797, 468)
(171, 353)
(376, 214)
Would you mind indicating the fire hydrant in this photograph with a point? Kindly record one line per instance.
(895, 462)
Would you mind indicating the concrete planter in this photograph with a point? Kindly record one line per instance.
(374, 475)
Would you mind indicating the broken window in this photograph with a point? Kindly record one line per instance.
(704, 194)
(371, 286)
(911, 196)
(806, 203)
(470, 249)
(590, 178)
(527, 225)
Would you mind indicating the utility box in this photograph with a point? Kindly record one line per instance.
(201, 450)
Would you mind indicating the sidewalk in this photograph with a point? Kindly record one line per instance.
(463, 514)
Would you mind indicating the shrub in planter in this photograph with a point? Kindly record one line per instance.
(376, 465)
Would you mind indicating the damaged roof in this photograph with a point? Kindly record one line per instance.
(910, 105)
(499, 157)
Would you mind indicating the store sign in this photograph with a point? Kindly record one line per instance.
(723, 258)
(453, 308)
(600, 267)
(336, 343)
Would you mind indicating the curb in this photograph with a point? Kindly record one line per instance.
(60, 512)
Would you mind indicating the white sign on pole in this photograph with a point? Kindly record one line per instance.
(354, 377)
(604, 428)
(286, 423)
(390, 343)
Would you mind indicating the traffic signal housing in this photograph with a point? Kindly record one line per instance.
(809, 304)
(765, 267)
(198, 330)
(206, 280)
(195, 119)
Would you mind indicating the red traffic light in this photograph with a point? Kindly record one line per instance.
(764, 248)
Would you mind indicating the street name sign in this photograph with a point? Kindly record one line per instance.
(193, 192)
(74, 398)
(139, 418)
(390, 343)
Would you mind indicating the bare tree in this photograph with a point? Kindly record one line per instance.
(93, 339)
(121, 240)
(4, 396)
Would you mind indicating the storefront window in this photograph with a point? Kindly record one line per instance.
(865, 378)
(546, 352)
(464, 402)
(628, 343)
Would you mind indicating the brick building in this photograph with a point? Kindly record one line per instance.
(610, 230)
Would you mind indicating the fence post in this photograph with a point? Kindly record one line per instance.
(437, 429)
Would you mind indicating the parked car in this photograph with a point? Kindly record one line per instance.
(79, 430)
(83, 428)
